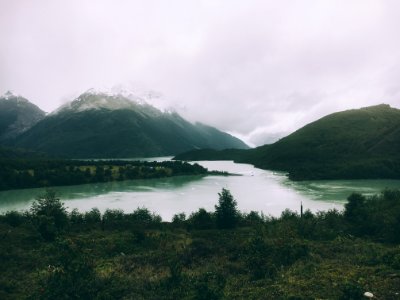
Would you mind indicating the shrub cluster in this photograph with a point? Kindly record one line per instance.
(207, 255)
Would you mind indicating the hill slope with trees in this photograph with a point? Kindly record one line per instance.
(361, 143)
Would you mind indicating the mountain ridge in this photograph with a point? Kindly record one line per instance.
(100, 125)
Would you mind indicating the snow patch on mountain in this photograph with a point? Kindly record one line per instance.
(114, 98)
(10, 95)
(18, 99)
(137, 94)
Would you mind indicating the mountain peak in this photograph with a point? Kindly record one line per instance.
(378, 106)
(17, 115)
(9, 95)
(95, 100)
(136, 93)
(106, 99)
(16, 99)
(97, 124)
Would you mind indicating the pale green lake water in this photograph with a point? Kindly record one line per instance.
(256, 189)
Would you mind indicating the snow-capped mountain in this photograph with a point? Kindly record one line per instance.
(17, 115)
(112, 99)
(119, 124)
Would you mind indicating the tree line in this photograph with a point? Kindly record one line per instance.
(21, 173)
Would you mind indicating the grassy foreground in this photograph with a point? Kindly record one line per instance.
(47, 253)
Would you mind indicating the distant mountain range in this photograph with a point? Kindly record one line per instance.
(104, 125)
(358, 143)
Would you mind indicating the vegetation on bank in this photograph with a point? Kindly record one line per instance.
(212, 154)
(48, 253)
(32, 173)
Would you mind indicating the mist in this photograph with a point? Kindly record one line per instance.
(256, 69)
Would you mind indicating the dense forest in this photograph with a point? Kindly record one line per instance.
(49, 253)
(31, 173)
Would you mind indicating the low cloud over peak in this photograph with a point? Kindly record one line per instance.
(258, 69)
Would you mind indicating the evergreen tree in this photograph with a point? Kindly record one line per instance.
(226, 211)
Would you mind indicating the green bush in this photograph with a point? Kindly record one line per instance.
(351, 291)
(201, 220)
(71, 276)
(76, 218)
(14, 218)
(49, 215)
(50, 206)
(178, 220)
(93, 216)
(258, 257)
(143, 217)
(208, 286)
(113, 219)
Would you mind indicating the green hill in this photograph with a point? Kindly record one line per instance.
(359, 143)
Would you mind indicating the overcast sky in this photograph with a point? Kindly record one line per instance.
(257, 69)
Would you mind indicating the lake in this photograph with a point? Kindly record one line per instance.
(256, 189)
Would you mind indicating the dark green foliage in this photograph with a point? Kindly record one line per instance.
(175, 270)
(226, 212)
(377, 216)
(116, 255)
(265, 257)
(351, 291)
(49, 205)
(259, 259)
(143, 217)
(16, 153)
(208, 286)
(179, 219)
(353, 208)
(201, 220)
(356, 214)
(49, 215)
(76, 218)
(14, 218)
(70, 276)
(113, 219)
(254, 217)
(23, 173)
(93, 216)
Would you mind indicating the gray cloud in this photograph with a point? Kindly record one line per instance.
(258, 69)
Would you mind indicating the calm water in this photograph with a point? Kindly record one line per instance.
(255, 189)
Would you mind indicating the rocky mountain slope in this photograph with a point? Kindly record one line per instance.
(17, 115)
